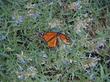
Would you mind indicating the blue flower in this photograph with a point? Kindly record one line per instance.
(35, 15)
(19, 19)
(22, 61)
(2, 37)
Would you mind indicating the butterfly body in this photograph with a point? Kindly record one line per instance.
(52, 38)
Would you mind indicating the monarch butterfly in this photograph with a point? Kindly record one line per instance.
(51, 38)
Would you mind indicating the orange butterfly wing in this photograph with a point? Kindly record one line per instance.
(51, 39)
(53, 42)
(64, 38)
(49, 35)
